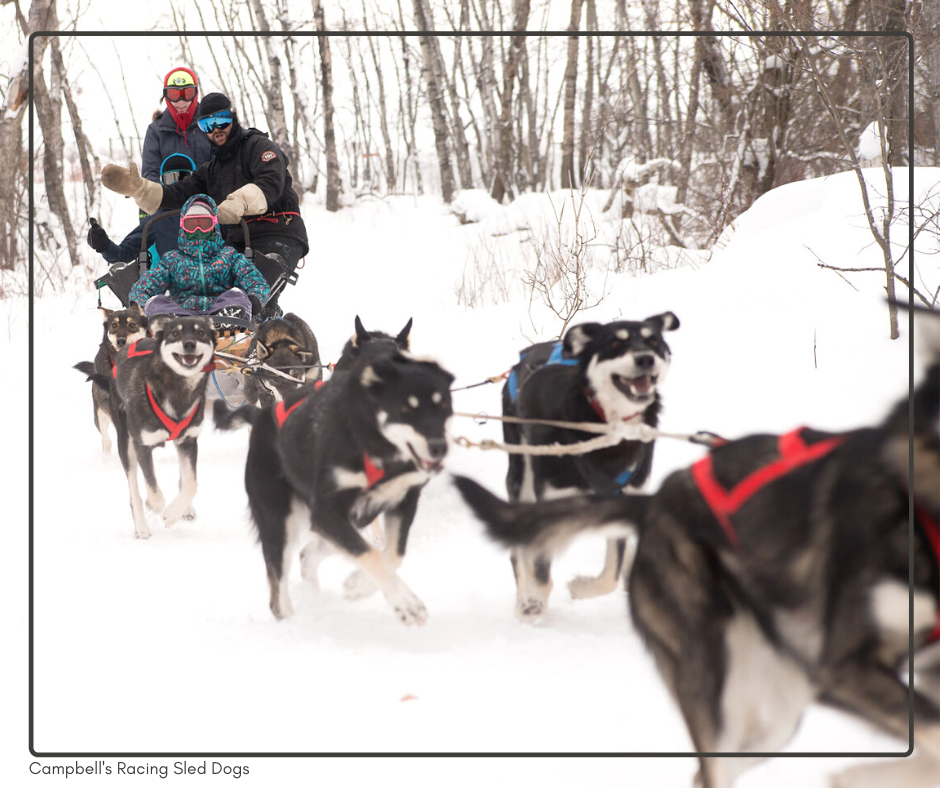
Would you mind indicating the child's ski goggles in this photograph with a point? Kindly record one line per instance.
(199, 223)
(220, 120)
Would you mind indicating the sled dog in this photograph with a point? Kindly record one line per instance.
(361, 338)
(776, 572)
(287, 344)
(598, 373)
(121, 327)
(158, 393)
(330, 457)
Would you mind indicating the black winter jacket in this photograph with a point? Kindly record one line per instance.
(248, 156)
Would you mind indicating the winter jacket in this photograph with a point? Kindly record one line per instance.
(247, 156)
(162, 140)
(199, 271)
(162, 236)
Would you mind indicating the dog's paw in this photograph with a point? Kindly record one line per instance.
(530, 609)
(358, 586)
(584, 587)
(407, 607)
(141, 532)
(176, 511)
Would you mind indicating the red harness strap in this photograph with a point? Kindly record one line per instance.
(793, 453)
(930, 528)
(373, 473)
(175, 427)
(281, 413)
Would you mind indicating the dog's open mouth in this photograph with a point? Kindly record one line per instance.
(187, 360)
(640, 387)
(431, 466)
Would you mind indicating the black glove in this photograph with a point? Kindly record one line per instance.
(97, 237)
(256, 307)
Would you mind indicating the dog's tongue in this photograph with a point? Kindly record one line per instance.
(641, 384)
(189, 361)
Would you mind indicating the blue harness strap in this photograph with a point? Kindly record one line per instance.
(555, 358)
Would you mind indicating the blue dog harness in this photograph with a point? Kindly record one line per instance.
(557, 357)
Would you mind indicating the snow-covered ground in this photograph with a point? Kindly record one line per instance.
(167, 646)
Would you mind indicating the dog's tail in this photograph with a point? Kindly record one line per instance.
(552, 524)
(87, 368)
(227, 419)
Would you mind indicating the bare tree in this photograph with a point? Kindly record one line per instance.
(333, 184)
(568, 179)
(503, 180)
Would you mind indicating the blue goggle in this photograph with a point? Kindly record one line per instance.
(219, 120)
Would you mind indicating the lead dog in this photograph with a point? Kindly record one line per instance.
(775, 572)
(598, 373)
(158, 393)
(121, 327)
(330, 458)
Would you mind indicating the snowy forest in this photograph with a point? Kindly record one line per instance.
(410, 98)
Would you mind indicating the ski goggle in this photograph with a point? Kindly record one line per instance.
(200, 223)
(220, 120)
(180, 94)
(172, 176)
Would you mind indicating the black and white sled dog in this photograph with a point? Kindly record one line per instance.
(776, 572)
(331, 457)
(158, 393)
(286, 344)
(121, 327)
(598, 373)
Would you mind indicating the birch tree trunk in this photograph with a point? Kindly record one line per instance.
(435, 104)
(333, 184)
(383, 122)
(503, 183)
(587, 139)
(568, 174)
(931, 61)
(14, 186)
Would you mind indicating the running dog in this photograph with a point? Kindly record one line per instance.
(776, 572)
(598, 373)
(286, 344)
(330, 458)
(158, 393)
(121, 327)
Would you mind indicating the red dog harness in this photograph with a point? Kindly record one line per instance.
(794, 452)
(932, 532)
(175, 428)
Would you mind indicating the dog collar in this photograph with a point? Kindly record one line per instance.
(175, 428)
(794, 452)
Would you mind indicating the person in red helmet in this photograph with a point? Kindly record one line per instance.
(176, 129)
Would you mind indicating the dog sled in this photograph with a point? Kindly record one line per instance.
(234, 335)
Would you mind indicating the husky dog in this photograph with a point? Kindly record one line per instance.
(158, 393)
(361, 338)
(331, 457)
(778, 571)
(121, 327)
(598, 373)
(287, 344)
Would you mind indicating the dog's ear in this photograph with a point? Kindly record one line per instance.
(361, 334)
(106, 312)
(578, 337)
(262, 351)
(667, 321)
(157, 324)
(403, 340)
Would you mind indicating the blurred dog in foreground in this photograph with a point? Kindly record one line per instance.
(779, 571)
